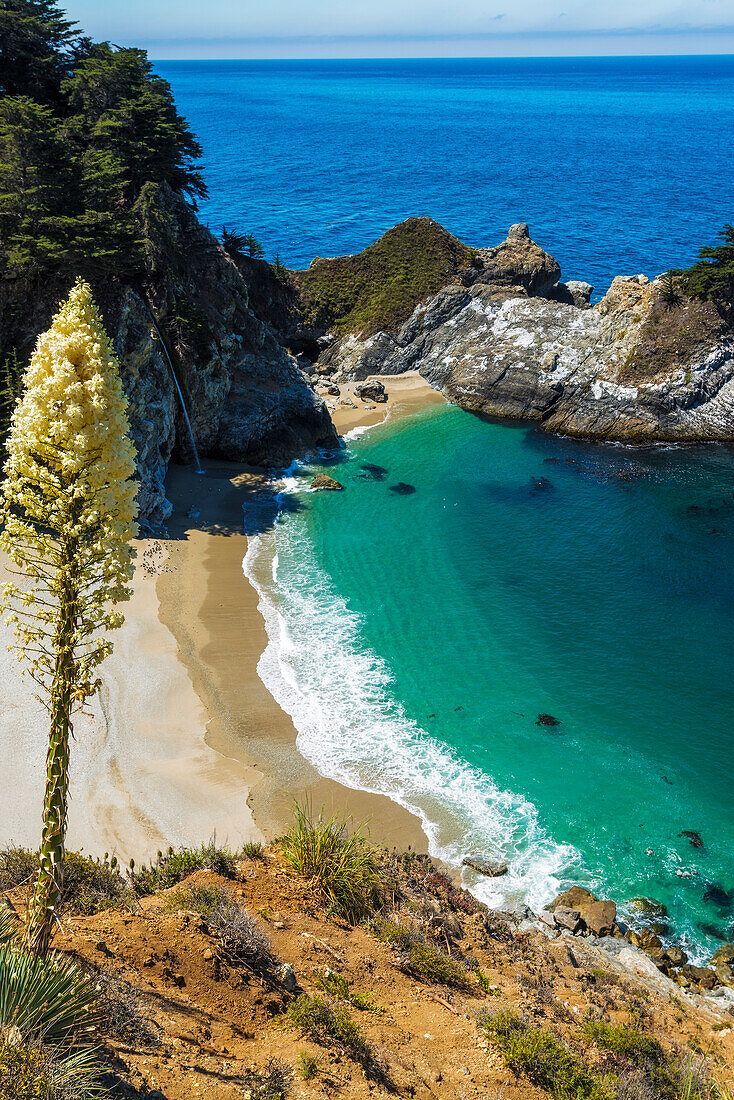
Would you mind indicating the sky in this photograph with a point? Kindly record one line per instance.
(409, 28)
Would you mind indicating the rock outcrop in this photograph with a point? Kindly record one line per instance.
(507, 338)
(247, 398)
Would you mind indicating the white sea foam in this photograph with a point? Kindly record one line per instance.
(318, 668)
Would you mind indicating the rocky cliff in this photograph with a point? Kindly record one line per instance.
(247, 397)
(505, 337)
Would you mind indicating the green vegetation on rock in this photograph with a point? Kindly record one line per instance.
(380, 287)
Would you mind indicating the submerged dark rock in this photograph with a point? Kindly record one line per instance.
(719, 896)
(547, 720)
(372, 472)
(540, 485)
(693, 837)
(403, 489)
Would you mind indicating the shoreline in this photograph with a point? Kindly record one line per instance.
(184, 742)
(221, 635)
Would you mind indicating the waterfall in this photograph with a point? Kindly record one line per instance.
(199, 468)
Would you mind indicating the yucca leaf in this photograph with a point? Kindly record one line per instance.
(46, 998)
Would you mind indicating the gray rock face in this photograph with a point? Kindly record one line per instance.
(518, 344)
(246, 396)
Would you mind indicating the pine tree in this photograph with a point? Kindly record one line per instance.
(68, 511)
(37, 45)
(713, 274)
(126, 120)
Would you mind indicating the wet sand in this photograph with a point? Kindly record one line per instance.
(184, 742)
(212, 611)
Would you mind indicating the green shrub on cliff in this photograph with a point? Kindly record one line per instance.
(380, 287)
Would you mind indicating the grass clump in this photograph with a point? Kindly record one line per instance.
(90, 885)
(332, 1025)
(341, 868)
(177, 864)
(243, 942)
(418, 957)
(272, 1083)
(544, 1059)
(336, 985)
(253, 850)
(380, 287)
(308, 1065)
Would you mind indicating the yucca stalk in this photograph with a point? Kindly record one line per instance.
(68, 512)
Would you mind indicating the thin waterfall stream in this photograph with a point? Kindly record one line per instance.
(199, 468)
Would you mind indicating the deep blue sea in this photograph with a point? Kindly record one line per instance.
(417, 638)
(618, 165)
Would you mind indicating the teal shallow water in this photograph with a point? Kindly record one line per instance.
(416, 638)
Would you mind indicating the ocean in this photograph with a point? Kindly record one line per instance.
(417, 638)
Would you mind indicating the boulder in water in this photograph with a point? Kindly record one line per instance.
(492, 868)
(693, 837)
(403, 489)
(323, 481)
(547, 720)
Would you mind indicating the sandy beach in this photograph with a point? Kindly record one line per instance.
(183, 742)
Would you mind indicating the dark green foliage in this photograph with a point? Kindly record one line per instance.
(233, 243)
(253, 249)
(11, 374)
(669, 294)
(90, 885)
(169, 869)
(84, 128)
(191, 327)
(37, 46)
(237, 245)
(380, 287)
(713, 274)
(128, 129)
(279, 269)
(544, 1059)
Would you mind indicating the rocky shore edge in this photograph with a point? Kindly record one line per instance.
(645, 947)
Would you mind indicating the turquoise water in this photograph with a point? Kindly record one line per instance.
(416, 638)
(421, 635)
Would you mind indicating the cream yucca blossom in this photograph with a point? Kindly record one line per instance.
(68, 512)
